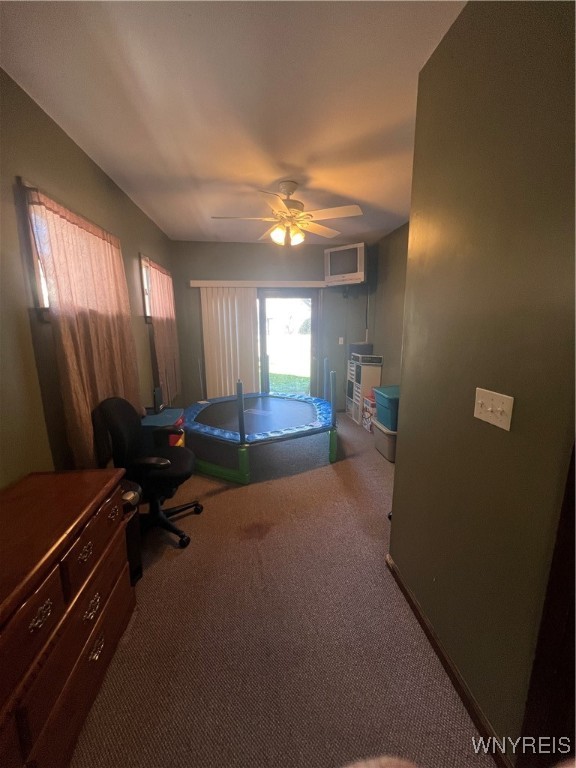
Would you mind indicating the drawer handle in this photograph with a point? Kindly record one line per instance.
(42, 616)
(114, 512)
(97, 649)
(93, 607)
(86, 552)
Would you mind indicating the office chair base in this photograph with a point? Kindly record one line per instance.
(195, 506)
(160, 517)
(183, 539)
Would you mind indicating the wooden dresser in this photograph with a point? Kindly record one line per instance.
(65, 600)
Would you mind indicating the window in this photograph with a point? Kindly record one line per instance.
(159, 310)
(80, 277)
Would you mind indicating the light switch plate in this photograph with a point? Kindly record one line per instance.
(494, 408)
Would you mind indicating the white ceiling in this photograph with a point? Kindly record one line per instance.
(191, 107)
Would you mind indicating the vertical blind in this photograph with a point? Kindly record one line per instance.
(230, 334)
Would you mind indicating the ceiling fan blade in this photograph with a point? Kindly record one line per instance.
(319, 229)
(335, 213)
(277, 204)
(245, 218)
(268, 231)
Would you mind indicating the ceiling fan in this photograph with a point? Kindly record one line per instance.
(291, 221)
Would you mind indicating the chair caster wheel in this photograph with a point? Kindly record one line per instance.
(389, 515)
(183, 541)
(198, 508)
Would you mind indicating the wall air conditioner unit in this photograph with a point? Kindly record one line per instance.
(345, 265)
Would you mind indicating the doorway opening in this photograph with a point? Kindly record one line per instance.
(288, 341)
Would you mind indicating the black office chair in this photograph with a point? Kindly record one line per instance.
(150, 461)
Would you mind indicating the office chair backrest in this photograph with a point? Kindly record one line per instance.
(123, 424)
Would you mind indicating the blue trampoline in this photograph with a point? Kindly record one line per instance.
(221, 430)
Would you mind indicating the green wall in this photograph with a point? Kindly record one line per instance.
(489, 303)
(36, 149)
(389, 303)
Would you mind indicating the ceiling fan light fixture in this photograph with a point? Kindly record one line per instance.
(287, 234)
(278, 234)
(296, 235)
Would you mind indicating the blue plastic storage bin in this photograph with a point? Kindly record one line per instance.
(387, 399)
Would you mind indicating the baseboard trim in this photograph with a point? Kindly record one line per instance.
(478, 718)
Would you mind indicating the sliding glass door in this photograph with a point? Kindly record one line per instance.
(288, 341)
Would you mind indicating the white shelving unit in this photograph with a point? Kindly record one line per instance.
(361, 378)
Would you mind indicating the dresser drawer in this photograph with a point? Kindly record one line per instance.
(27, 632)
(41, 690)
(79, 692)
(78, 562)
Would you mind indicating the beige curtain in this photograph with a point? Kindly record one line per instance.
(90, 315)
(165, 337)
(230, 334)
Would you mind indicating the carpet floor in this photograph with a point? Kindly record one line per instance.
(278, 638)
